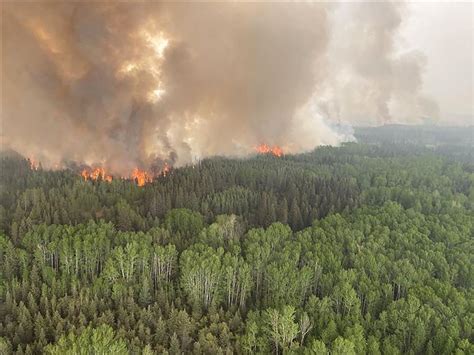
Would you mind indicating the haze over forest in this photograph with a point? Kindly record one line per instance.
(140, 85)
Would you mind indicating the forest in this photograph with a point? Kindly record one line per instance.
(366, 248)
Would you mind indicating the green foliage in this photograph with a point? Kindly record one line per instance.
(350, 250)
(101, 340)
(281, 327)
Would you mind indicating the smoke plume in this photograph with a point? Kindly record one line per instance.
(144, 84)
(370, 80)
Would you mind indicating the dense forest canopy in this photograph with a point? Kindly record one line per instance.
(363, 248)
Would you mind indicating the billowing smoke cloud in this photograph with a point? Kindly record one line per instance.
(370, 81)
(127, 85)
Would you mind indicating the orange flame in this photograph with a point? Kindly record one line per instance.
(141, 176)
(266, 149)
(166, 169)
(34, 165)
(94, 174)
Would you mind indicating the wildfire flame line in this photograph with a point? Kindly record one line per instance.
(266, 149)
(34, 165)
(94, 174)
(166, 169)
(141, 176)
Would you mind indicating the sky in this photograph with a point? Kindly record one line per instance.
(443, 32)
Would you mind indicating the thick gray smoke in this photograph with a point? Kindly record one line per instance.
(135, 85)
(370, 80)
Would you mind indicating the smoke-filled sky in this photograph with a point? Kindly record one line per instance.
(125, 85)
(444, 32)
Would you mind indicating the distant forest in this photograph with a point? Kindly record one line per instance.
(366, 248)
(429, 135)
